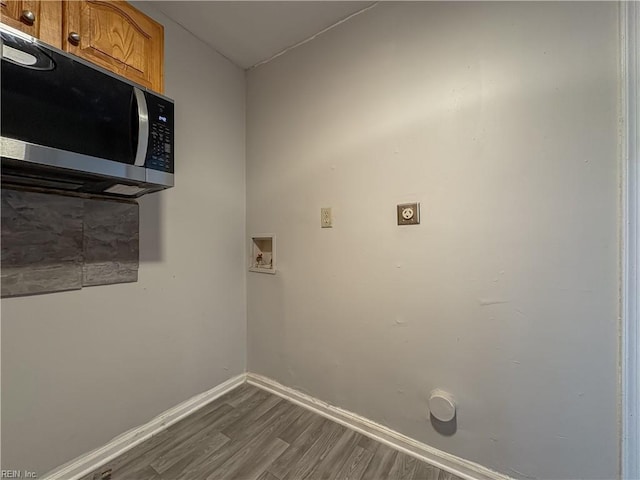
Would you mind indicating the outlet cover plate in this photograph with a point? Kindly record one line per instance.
(326, 219)
(409, 214)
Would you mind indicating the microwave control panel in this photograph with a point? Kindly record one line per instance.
(160, 150)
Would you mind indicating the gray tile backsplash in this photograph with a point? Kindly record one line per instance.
(53, 243)
(110, 242)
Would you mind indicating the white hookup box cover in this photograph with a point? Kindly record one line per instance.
(442, 405)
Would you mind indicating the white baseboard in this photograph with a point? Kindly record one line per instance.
(458, 466)
(93, 460)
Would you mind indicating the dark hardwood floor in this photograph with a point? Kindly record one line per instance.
(251, 434)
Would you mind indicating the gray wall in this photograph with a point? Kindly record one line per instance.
(81, 367)
(500, 118)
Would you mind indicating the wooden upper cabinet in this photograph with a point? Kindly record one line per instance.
(117, 37)
(40, 19)
(109, 33)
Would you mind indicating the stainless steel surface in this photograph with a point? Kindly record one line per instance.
(17, 33)
(143, 127)
(79, 163)
(38, 154)
(159, 178)
(74, 37)
(28, 16)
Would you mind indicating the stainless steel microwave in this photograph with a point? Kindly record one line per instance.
(69, 125)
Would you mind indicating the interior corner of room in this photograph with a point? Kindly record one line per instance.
(453, 187)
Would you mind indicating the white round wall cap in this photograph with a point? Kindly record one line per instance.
(442, 405)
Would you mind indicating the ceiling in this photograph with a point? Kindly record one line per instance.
(249, 33)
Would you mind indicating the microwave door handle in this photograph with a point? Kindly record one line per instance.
(143, 127)
(24, 54)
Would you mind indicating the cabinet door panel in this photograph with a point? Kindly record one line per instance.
(47, 24)
(116, 36)
(12, 15)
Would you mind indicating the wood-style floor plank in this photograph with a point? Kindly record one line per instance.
(247, 446)
(254, 419)
(368, 444)
(300, 444)
(317, 452)
(178, 435)
(424, 471)
(381, 463)
(445, 475)
(146, 474)
(251, 434)
(403, 467)
(238, 395)
(191, 466)
(266, 475)
(245, 407)
(259, 461)
(293, 431)
(169, 458)
(336, 456)
(356, 464)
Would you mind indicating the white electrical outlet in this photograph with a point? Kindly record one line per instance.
(407, 213)
(325, 218)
